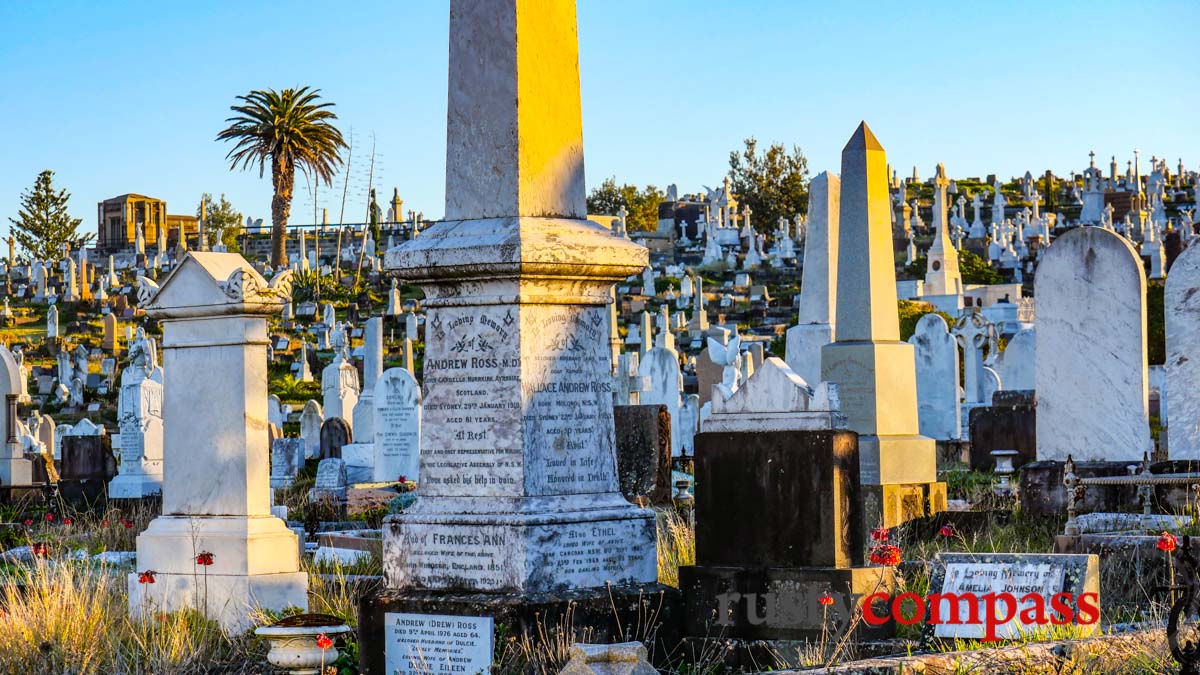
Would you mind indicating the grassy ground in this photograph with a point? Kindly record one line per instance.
(61, 615)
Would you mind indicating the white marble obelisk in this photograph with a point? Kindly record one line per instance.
(518, 469)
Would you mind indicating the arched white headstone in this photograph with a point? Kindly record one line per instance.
(1091, 378)
(1182, 305)
(938, 406)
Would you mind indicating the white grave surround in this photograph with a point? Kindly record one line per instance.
(213, 309)
(1019, 574)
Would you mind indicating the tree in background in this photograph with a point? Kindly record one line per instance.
(221, 222)
(773, 183)
(642, 205)
(285, 129)
(43, 225)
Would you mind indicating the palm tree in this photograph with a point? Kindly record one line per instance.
(287, 129)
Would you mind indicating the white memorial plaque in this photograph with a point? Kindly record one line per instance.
(980, 579)
(429, 644)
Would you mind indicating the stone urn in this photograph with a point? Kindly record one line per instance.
(294, 645)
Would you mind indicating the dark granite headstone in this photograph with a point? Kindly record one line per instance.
(644, 452)
(778, 525)
(778, 499)
(87, 458)
(1010, 423)
(1172, 246)
(335, 433)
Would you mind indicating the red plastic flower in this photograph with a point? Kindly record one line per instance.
(49, 517)
(885, 554)
(205, 558)
(947, 530)
(66, 521)
(28, 522)
(128, 524)
(879, 534)
(146, 577)
(324, 642)
(825, 599)
(1167, 542)
(104, 523)
(40, 548)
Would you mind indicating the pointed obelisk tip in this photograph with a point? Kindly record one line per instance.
(863, 140)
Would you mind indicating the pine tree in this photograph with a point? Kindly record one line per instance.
(43, 224)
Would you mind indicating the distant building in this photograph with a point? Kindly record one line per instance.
(119, 218)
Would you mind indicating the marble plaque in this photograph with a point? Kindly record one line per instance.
(518, 401)
(418, 644)
(498, 555)
(980, 579)
(1019, 574)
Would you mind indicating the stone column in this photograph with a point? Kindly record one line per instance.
(874, 370)
(518, 454)
(214, 308)
(364, 409)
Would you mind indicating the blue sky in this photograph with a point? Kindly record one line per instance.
(128, 98)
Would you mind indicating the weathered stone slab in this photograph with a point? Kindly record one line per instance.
(643, 434)
(1092, 376)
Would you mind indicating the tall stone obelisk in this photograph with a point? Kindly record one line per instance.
(518, 495)
(876, 371)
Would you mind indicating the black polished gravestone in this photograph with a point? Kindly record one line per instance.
(335, 433)
(86, 467)
(779, 524)
(643, 435)
(1010, 423)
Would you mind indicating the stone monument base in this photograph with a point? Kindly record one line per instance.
(16, 471)
(650, 613)
(475, 546)
(782, 603)
(255, 564)
(897, 459)
(135, 486)
(891, 505)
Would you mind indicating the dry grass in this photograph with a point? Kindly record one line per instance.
(66, 617)
(676, 546)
